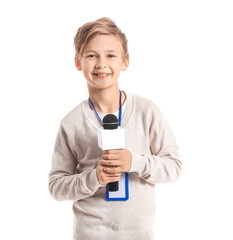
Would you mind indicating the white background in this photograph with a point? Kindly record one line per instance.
(181, 57)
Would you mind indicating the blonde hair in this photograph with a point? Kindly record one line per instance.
(89, 30)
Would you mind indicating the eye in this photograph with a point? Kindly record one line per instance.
(111, 55)
(91, 56)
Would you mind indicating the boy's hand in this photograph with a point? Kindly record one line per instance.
(116, 161)
(112, 164)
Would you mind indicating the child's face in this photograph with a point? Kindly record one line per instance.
(102, 55)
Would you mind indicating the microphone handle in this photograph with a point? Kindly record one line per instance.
(113, 186)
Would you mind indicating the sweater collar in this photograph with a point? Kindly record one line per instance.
(95, 122)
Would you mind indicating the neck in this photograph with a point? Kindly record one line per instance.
(106, 100)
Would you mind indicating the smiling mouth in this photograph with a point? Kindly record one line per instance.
(101, 74)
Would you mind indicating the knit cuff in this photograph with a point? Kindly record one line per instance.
(93, 180)
(138, 163)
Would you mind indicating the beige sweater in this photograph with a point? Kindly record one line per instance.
(73, 173)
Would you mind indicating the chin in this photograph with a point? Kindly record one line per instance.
(103, 85)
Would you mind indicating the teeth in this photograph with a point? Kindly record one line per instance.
(101, 74)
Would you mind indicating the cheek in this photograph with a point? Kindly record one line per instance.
(116, 66)
(87, 67)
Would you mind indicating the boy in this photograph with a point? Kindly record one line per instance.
(80, 169)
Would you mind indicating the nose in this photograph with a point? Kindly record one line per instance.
(101, 63)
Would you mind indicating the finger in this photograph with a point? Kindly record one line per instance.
(113, 175)
(113, 179)
(113, 151)
(110, 162)
(110, 156)
(112, 170)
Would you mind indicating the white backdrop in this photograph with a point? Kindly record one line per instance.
(180, 57)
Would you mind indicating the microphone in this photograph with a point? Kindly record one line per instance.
(110, 122)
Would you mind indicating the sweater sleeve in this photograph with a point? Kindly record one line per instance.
(163, 164)
(64, 182)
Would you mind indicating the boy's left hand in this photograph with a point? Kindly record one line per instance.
(116, 161)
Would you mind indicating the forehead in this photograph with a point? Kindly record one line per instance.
(104, 43)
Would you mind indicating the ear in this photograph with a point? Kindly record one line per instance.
(78, 64)
(125, 64)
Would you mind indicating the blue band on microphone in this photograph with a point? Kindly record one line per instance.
(119, 116)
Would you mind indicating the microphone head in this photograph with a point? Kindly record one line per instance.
(110, 121)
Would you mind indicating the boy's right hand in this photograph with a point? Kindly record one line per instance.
(105, 178)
